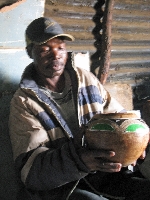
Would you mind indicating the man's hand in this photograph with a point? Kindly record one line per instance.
(95, 160)
(143, 155)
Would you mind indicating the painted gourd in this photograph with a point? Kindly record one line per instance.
(124, 133)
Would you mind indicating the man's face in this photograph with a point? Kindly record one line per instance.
(50, 58)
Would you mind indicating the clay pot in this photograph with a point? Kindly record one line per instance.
(124, 133)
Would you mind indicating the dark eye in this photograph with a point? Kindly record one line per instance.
(45, 51)
(62, 49)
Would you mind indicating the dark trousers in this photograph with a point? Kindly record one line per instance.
(122, 185)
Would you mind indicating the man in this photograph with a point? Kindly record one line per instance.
(48, 112)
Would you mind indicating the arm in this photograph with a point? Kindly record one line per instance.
(40, 166)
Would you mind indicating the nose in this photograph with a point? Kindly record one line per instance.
(56, 54)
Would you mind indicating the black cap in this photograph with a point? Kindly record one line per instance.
(44, 29)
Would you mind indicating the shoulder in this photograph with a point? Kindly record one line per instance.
(18, 96)
(21, 98)
(84, 71)
(87, 78)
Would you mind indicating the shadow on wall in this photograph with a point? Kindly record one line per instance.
(141, 94)
(97, 18)
(13, 60)
(8, 181)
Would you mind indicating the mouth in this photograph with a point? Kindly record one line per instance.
(56, 65)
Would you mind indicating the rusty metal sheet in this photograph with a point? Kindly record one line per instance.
(130, 50)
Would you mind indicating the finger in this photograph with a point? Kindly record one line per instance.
(110, 167)
(102, 153)
(134, 163)
(143, 155)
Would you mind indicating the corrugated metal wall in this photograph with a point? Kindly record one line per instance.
(76, 18)
(130, 54)
(130, 59)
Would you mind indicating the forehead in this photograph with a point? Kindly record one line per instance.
(54, 41)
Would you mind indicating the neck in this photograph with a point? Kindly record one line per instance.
(55, 84)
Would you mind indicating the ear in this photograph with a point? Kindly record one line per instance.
(29, 50)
